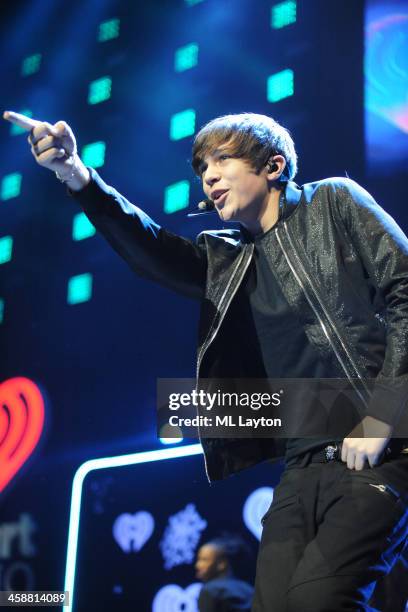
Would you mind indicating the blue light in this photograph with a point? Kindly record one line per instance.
(386, 72)
(101, 464)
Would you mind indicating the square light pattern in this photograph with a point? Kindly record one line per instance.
(283, 14)
(31, 64)
(11, 186)
(176, 196)
(280, 85)
(1, 310)
(100, 90)
(182, 124)
(81, 227)
(6, 248)
(93, 154)
(186, 57)
(79, 288)
(15, 130)
(108, 29)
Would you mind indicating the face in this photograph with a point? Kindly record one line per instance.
(238, 192)
(208, 564)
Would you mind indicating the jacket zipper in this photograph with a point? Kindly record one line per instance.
(389, 491)
(322, 324)
(214, 327)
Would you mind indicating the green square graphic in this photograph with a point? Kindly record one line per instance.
(11, 186)
(283, 14)
(186, 57)
(31, 64)
(108, 29)
(176, 197)
(93, 154)
(99, 90)
(182, 124)
(6, 248)
(280, 85)
(79, 288)
(81, 227)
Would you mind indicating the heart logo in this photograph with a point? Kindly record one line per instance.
(173, 598)
(255, 506)
(131, 531)
(21, 424)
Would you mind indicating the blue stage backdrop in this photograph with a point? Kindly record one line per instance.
(83, 340)
(135, 535)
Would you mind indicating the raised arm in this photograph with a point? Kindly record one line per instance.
(151, 251)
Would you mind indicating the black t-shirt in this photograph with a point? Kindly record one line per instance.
(279, 337)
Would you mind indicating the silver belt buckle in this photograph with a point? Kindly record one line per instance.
(331, 452)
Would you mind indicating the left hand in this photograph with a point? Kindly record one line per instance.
(356, 451)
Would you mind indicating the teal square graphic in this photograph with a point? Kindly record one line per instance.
(79, 288)
(6, 248)
(81, 227)
(10, 186)
(182, 124)
(100, 90)
(283, 14)
(93, 154)
(186, 57)
(108, 29)
(280, 85)
(176, 196)
(31, 64)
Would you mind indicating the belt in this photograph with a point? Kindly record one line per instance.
(331, 452)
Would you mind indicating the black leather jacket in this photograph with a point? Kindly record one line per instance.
(341, 261)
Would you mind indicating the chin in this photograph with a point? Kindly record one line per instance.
(227, 214)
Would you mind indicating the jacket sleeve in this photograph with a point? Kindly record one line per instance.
(151, 251)
(383, 248)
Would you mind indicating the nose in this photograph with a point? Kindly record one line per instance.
(212, 175)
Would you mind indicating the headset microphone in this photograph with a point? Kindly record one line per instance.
(206, 207)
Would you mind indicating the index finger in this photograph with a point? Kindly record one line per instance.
(21, 120)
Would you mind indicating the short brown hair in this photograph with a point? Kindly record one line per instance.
(252, 137)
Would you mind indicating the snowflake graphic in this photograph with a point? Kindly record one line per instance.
(181, 537)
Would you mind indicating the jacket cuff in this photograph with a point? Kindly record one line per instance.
(94, 194)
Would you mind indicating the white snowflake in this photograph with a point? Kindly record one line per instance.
(181, 537)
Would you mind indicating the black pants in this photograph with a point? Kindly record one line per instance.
(329, 535)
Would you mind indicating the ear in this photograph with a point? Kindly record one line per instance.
(222, 565)
(275, 166)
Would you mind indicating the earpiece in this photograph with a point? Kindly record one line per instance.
(272, 166)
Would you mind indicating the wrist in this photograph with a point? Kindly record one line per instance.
(78, 176)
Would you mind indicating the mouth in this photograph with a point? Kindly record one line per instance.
(219, 196)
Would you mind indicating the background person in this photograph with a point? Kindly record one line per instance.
(216, 565)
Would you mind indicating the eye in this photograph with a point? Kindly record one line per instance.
(225, 156)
